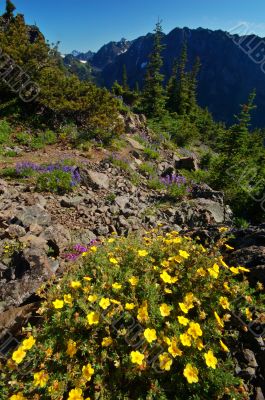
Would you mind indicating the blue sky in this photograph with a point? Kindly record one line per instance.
(88, 24)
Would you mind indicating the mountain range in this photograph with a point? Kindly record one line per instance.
(231, 67)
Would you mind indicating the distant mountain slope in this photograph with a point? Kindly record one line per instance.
(227, 74)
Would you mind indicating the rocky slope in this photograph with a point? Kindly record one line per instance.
(39, 231)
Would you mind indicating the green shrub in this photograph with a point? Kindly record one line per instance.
(155, 184)
(10, 153)
(147, 168)
(177, 192)
(137, 319)
(56, 181)
(9, 172)
(24, 138)
(151, 154)
(179, 129)
(5, 131)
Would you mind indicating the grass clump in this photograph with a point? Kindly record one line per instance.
(135, 318)
(5, 131)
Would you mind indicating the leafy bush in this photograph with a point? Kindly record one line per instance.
(151, 154)
(155, 184)
(24, 138)
(136, 318)
(177, 186)
(56, 181)
(180, 129)
(59, 178)
(147, 168)
(5, 131)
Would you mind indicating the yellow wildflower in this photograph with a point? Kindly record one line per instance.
(226, 287)
(224, 347)
(27, 344)
(116, 286)
(133, 280)
(165, 277)
(87, 278)
(223, 263)
(168, 291)
(165, 361)
(68, 299)
(223, 301)
(40, 379)
(173, 348)
(106, 342)
(113, 260)
(113, 301)
(87, 372)
(184, 308)
(92, 298)
(218, 319)
(165, 310)
(58, 304)
(137, 357)
(111, 240)
(142, 253)
(194, 330)
(18, 396)
(243, 269)
(129, 306)
(191, 374)
(93, 318)
(210, 359)
(75, 284)
(165, 264)
(223, 229)
(248, 314)
(76, 394)
(184, 254)
(19, 355)
(142, 315)
(185, 339)
(104, 303)
(150, 335)
(71, 348)
(229, 247)
(177, 240)
(214, 271)
(234, 270)
(199, 344)
(182, 320)
(201, 272)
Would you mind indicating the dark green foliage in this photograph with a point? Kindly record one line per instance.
(10, 8)
(182, 87)
(153, 99)
(125, 85)
(180, 130)
(62, 97)
(238, 169)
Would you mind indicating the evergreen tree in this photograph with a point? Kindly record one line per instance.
(137, 87)
(183, 84)
(153, 101)
(238, 138)
(10, 8)
(193, 85)
(172, 89)
(125, 85)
